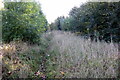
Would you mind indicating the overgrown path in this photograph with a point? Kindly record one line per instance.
(60, 55)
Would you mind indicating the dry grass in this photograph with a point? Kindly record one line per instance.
(11, 64)
(14, 47)
(67, 56)
(81, 58)
(15, 61)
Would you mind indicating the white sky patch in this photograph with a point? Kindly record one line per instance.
(55, 8)
(1, 4)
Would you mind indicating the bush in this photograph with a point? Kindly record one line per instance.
(24, 21)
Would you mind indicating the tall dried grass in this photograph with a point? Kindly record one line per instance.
(74, 56)
(81, 58)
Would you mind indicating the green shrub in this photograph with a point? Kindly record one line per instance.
(24, 21)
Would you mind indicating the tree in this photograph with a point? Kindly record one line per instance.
(57, 25)
(96, 19)
(23, 20)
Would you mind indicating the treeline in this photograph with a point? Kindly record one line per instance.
(23, 21)
(93, 19)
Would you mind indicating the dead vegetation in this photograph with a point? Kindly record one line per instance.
(81, 58)
(65, 56)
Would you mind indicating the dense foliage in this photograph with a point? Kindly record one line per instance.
(94, 19)
(23, 20)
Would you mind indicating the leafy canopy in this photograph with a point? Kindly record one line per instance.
(23, 20)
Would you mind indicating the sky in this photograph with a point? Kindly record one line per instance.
(55, 8)
(1, 4)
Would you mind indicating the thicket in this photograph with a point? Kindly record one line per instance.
(22, 21)
(92, 19)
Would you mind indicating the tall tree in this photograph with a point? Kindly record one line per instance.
(23, 20)
(96, 19)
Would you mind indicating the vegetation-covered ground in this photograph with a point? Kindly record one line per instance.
(60, 55)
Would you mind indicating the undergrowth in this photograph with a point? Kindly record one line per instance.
(23, 60)
(60, 55)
